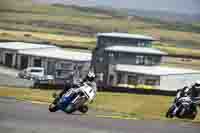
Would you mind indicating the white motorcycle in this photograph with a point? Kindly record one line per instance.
(76, 99)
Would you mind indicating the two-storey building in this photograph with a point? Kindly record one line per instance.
(121, 58)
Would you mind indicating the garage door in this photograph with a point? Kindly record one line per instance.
(8, 59)
(37, 62)
(24, 62)
(51, 67)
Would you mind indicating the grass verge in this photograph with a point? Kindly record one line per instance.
(60, 40)
(179, 51)
(127, 105)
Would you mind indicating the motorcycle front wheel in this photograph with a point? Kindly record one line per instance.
(53, 108)
(169, 113)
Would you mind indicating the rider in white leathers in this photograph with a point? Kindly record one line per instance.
(89, 79)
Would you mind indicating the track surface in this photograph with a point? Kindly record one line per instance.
(22, 117)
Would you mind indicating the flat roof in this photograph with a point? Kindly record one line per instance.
(154, 70)
(126, 35)
(58, 53)
(131, 49)
(23, 45)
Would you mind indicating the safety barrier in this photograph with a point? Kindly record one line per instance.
(137, 91)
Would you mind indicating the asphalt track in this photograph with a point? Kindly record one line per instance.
(25, 117)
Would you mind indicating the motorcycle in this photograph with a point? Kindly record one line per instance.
(183, 108)
(76, 99)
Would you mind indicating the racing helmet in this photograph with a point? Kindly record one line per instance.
(197, 84)
(90, 76)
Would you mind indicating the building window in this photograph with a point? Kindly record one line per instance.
(150, 60)
(156, 60)
(117, 55)
(102, 41)
(111, 54)
(141, 44)
(100, 59)
(140, 60)
(147, 60)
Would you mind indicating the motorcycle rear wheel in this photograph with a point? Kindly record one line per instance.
(70, 109)
(193, 116)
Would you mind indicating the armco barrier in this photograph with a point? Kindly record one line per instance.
(137, 91)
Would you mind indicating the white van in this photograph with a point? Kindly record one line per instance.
(32, 73)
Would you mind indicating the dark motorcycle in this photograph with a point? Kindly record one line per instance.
(183, 108)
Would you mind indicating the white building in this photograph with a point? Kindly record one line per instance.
(161, 77)
(56, 61)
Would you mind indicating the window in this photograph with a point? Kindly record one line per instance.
(111, 54)
(141, 44)
(147, 60)
(156, 60)
(140, 60)
(117, 56)
(102, 41)
(100, 59)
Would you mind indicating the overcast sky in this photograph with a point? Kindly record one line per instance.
(179, 6)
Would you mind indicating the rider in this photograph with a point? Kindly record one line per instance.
(193, 92)
(89, 79)
(182, 92)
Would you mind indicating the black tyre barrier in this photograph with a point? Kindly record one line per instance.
(137, 91)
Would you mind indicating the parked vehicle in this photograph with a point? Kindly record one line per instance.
(184, 108)
(76, 99)
(33, 73)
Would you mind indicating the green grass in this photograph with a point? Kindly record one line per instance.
(179, 51)
(126, 105)
(77, 26)
(82, 21)
(61, 40)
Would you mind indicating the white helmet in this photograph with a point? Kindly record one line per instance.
(90, 76)
(197, 83)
